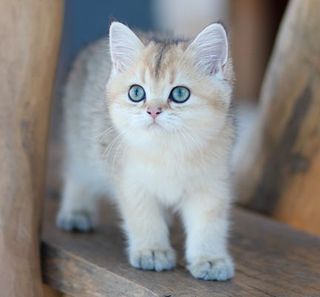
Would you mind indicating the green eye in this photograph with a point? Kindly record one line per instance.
(136, 93)
(179, 94)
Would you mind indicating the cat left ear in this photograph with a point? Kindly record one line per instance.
(210, 49)
(125, 46)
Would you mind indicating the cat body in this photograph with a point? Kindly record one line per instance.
(148, 125)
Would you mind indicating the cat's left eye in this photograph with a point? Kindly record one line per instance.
(136, 93)
(179, 94)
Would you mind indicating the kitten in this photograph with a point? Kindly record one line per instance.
(149, 125)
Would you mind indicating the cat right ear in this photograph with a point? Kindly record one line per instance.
(210, 49)
(125, 46)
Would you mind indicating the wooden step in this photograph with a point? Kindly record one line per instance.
(272, 259)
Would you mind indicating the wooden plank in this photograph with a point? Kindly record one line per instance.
(29, 34)
(283, 156)
(50, 292)
(271, 260)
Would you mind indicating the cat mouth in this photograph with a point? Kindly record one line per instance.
(154, 125)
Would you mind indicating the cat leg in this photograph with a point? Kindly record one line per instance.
(205, 217)
(147, 232)
(78, 207)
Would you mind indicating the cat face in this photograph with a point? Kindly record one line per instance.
(174, 93)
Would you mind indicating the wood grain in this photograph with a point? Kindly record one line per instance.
(49, 292)
(279, 174)
(29, 34)
(271, 260)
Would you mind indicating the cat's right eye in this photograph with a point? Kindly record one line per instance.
(179, 94)
(136, 93)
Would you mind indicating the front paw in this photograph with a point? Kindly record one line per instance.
(220, 269)
(80, 221)
(153, 259)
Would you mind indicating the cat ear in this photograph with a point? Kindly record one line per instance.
(125, 46)
(210, 49)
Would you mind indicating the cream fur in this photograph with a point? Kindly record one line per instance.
(114, 149)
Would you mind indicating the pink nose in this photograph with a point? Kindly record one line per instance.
(154, 111)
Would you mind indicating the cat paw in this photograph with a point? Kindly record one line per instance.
(80, 221)
(157, 260)
(214, 270)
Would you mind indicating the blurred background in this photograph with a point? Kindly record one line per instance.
(252, 26)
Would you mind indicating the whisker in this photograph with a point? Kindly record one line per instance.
(110, 146)
(105, 133)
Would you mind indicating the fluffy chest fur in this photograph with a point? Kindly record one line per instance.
(173, 172)
(163, 176)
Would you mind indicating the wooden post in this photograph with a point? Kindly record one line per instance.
(279, 173)
(49, 292)
(253, 28)
(29, 39)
